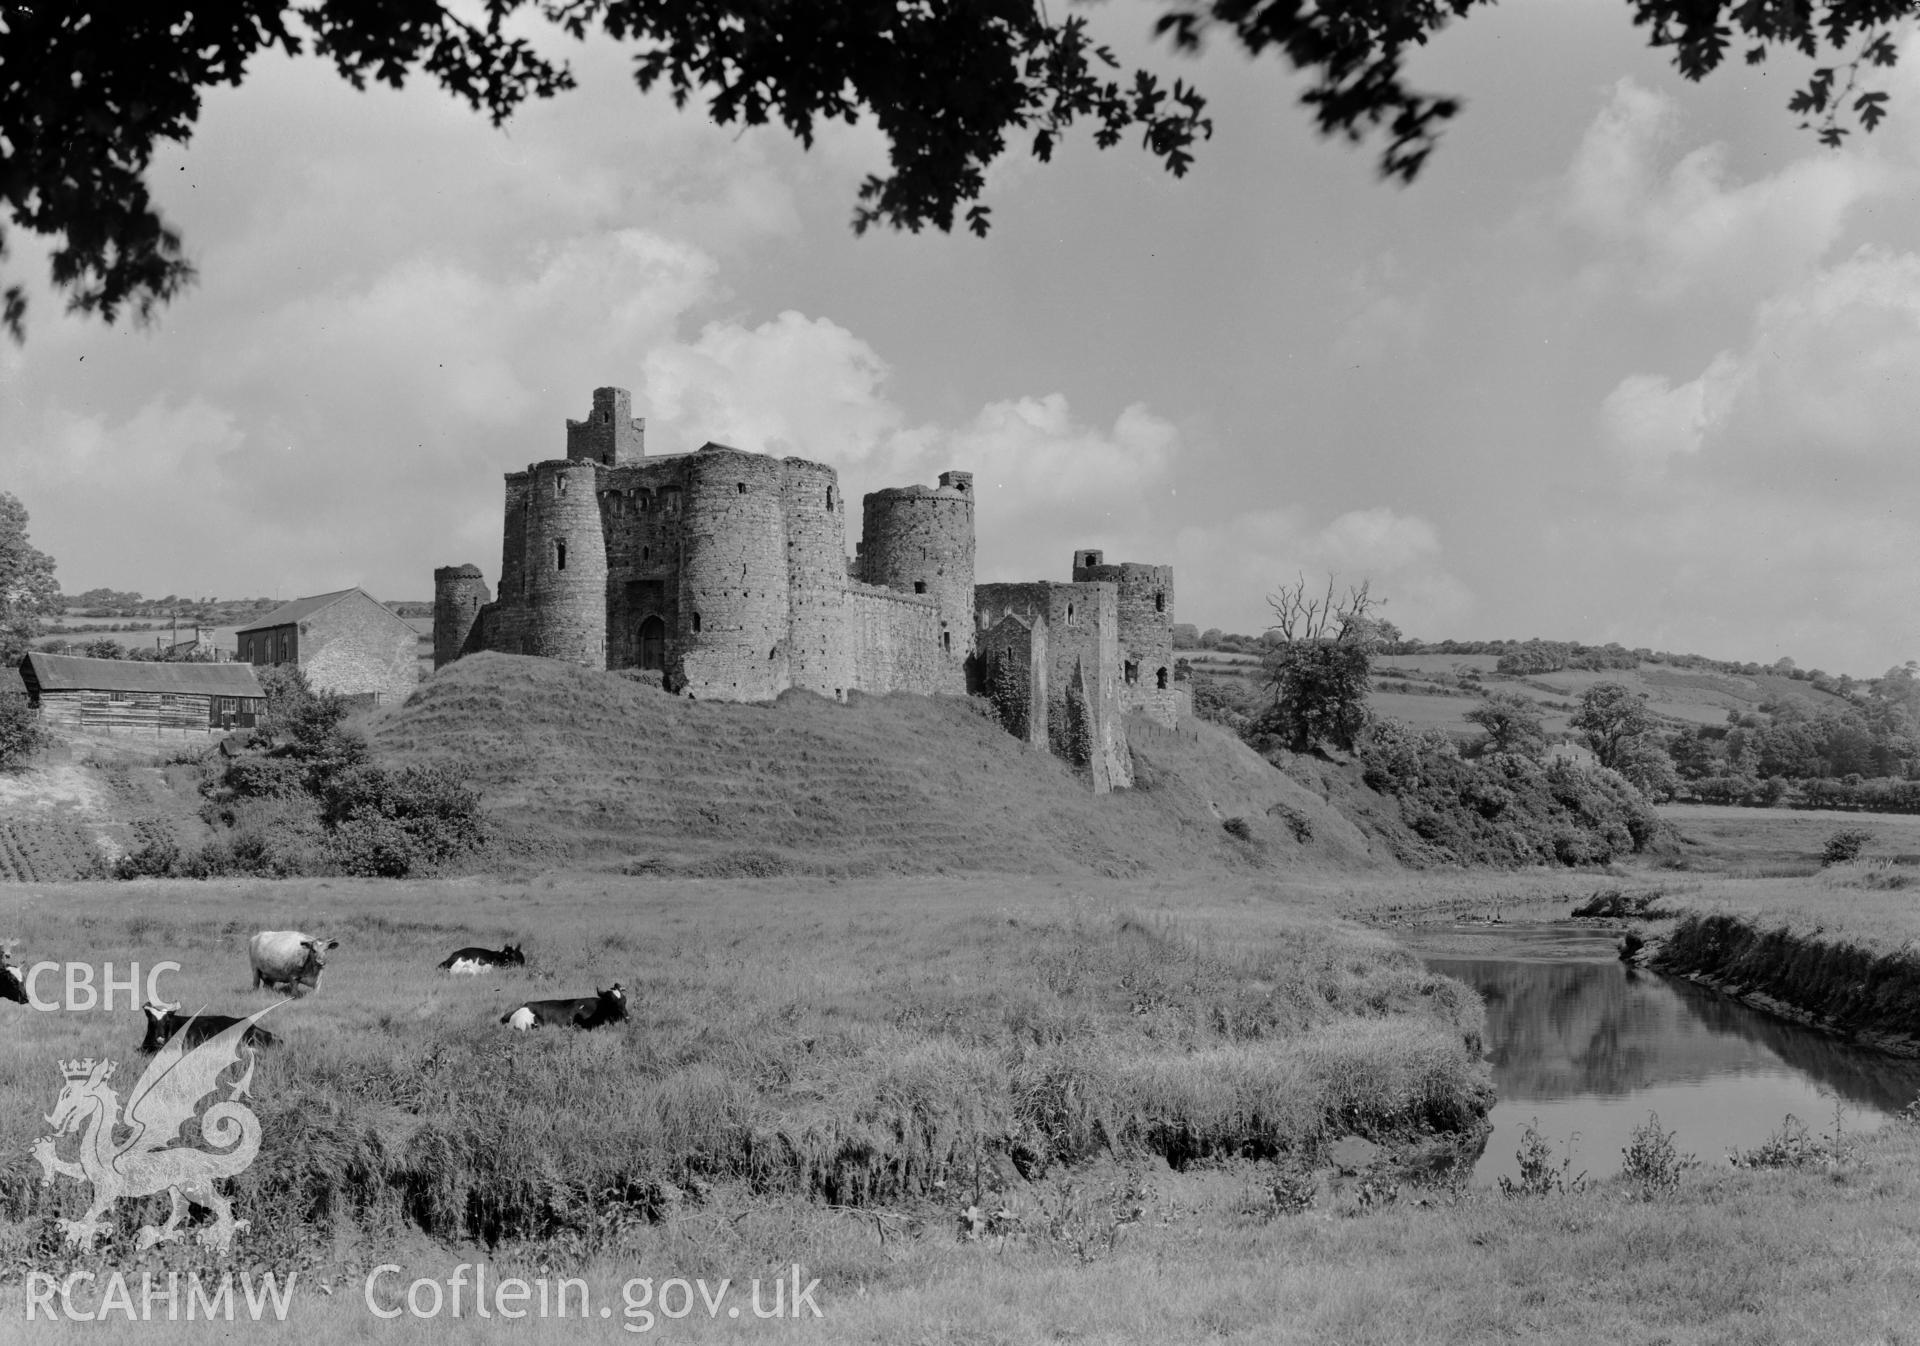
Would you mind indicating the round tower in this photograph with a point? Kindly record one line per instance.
(734, 615)
(918, 539)
(565, 563)
(819, 644)
(458, 595)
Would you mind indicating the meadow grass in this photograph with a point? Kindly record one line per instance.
(985, 1109)
(853, 1044)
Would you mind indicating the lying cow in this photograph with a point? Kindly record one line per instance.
(587, 1011)
(474, 960)
(288, 958)
(13, 982)
(163, 1021)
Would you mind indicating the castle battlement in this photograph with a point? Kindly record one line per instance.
(726, 571)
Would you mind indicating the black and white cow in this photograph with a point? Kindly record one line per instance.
(476, 960)
(13, 981)
(587, 1011)
(163, 1021)
(288, 958)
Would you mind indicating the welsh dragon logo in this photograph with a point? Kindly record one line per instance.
(147, 1158)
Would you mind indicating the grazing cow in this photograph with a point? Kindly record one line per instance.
(289, 958)
(163, 1021)
(587, 1011)
(473, 960)
(13, 983)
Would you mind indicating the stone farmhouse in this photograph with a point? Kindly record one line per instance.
(723, 575)
(347, 642)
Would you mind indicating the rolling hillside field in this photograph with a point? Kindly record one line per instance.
(1435, 691)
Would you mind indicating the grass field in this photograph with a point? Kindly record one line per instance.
(975, 1108)
(1787, 843)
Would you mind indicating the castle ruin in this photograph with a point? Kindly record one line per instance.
(724, 573)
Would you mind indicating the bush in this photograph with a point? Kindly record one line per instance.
(155, 860)
(1505, 809)
(21, 734)
(1652, 1163)
(1844, 846)
(1237, 827)
(392, 823)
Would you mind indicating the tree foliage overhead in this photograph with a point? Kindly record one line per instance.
(89, 89)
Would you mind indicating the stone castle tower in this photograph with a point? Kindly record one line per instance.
(724, 575)
(723, 571)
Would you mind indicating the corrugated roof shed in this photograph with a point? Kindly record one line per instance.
(300, 609)
(73, 673)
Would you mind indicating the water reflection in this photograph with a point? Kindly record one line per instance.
(1589, 1046)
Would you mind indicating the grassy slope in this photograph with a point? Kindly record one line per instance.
(597, 768)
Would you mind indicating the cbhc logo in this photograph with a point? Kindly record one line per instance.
(78, 982)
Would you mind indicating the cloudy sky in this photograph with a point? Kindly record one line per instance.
(1633, 360)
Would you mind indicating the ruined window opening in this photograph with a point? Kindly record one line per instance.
(1162, 677)
(919, 586)
(560, 555)
(646, 553)
(946, 641)
(740, 487)
(1069, 612)
(560, 485)
(1089, 559)
(829, 499)
(696, 621)
(1160, 601)
(1133, 673)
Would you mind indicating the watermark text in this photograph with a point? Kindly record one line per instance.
(642, 1301)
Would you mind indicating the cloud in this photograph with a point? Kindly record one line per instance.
(1674, 232)
(1230, 568)
(1821, 397)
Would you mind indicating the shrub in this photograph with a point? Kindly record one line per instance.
(391, 823)
(1237, 827)
(1652, 1163)
(21, 733)
(1844, 846)
(1505, 808)
(157, 859)
(1539, 1175)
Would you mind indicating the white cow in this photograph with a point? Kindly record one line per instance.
(289, 958)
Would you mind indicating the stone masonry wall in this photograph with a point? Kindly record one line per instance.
(1022, 650)
(919, 540)
(1144, 595)
(1081, 642)
(610, 435)
(820, 642)
(896, 641)
(356, 646)
(642, 510)
(733, 579)
(565, 564)
(458, 595)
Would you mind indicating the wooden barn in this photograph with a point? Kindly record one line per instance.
(127, 694)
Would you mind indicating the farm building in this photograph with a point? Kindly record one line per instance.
(127, 694)
(347, 642)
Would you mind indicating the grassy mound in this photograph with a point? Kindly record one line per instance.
(574, 764)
